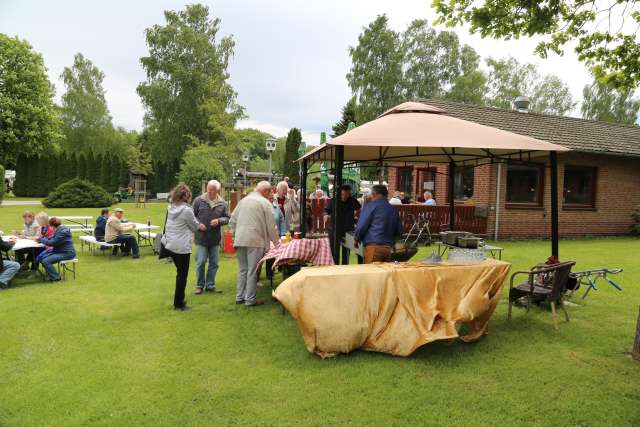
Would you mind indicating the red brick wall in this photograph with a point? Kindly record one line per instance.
(617, 195)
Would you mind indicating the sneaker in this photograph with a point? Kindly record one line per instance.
(5, 286)
(240, 302)
(260, 284)
(213, 290)
(198, 291)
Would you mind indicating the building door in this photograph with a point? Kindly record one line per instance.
(405, 178)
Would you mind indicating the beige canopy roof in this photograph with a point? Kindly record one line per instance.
(415, 131)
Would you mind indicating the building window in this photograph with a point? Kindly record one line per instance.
(524, 185)
(579, 187)
(463, 182)
(405, 180)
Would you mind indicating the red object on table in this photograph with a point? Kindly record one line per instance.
(228, 243)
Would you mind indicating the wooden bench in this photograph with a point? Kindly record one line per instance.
(93, 243)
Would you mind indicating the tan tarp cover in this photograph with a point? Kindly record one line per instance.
(391, 308)
(412, 130)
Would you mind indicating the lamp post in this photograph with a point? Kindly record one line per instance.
(245, 159)
(271, 147)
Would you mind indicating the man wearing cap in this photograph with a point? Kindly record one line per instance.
(115, 233)
(212, 211)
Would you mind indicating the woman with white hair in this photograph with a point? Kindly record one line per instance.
(289, 206)
(211, 210)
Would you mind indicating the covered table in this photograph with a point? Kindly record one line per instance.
(389, 307)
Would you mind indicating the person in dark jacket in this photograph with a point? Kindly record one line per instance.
(101, 225)
(378, 226)
(348, 208)
(210, 209)
(8, 268)
(62, 244)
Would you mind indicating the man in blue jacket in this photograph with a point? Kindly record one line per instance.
(378, 226)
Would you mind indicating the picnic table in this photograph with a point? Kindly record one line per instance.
(492, 250)
(144, 234)
(82, 221)
(392, 307)
(21, 244)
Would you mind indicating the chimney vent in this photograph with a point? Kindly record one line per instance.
(521, 104)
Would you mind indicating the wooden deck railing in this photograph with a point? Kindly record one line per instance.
(465, 216)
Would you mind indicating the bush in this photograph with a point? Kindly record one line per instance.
(3, 187)
(78, 193)
(635, 227)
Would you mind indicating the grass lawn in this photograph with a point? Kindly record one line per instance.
(108, 349)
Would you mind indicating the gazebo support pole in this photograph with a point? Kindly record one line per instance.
(303, 198)
(452, 206)
(553, 162)
(336, 220)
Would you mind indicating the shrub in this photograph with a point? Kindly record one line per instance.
(635, 227)
(78, 193)
(3, 187)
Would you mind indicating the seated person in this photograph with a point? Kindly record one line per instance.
(31, 229)
(8, 268)
(395, 200)
(115, 233)
(428, 199)
(101, 225)
(59, 248)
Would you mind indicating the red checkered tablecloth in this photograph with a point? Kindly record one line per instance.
(314, 251)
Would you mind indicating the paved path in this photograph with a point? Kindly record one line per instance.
(21, 203)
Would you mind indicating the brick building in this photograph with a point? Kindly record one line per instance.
(599, 180)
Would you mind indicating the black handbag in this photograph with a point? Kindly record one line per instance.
(158, 246)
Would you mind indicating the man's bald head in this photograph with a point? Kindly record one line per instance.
(264, 188)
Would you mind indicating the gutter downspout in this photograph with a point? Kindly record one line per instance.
(497, 225)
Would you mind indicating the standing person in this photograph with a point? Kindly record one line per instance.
(211, 210)
(8, 268)
(101, 225)
(63, 250)
(278, 216)
(254, 228)
(178, 239)
(285, 197)
(115, 233)
(377, 227)
(347, 211)
(428, 199)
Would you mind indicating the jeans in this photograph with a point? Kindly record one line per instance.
(129, 244)
(49, 261)
(206, 254)
(181, 261)
(247, 285)
(9, 269)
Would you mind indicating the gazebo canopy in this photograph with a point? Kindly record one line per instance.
(414, 131)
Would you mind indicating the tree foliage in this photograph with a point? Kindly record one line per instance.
(375, 77)
(29, 122)
(348, 116)
(78, 193)
(200, 163)
(508, 79)
(292, 144)
(187, 95)
(86, 121)
(603, 102)
(611, 52)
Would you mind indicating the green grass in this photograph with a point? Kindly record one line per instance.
(107, 349)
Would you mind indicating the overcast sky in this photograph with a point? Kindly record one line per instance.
(290, 60)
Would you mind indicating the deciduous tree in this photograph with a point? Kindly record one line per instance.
(604, 103)
(29, 123)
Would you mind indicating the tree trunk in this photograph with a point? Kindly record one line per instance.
(635, 353)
